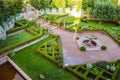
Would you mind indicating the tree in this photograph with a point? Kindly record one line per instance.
(118, 13)
(87, 3)
(10, 7)
(41, 4)
(45, 3)
(36, 3)
(59, 3)
(104, 11)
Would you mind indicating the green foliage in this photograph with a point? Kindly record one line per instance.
(10, 7)
(87, 3)
(69, 20)
(69, 3)
(36, 3)
(40, 4)
(59, 3)
(88, 66)
(90, 3)
(82, 48)
(2, 43)
(103, 47)
(33, 64)
(19, 25)
(32, 23)
(101, 64)
(11, 53)
(118, 13)
(118, 75)
(19, 43)
(52, 50)
(104, 11)
(35, 30)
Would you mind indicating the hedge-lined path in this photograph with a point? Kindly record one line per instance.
(28, 44)
(72, 54)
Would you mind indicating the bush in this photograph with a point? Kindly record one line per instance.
(82, 48)
(112, 68)
(77, 38)
(118, 61)
(118, 75)
(88, 66)
(102, 64)
(103, 47)
(11, 53)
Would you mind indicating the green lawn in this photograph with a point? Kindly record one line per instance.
(112, 29)
(33, 64)
(14, 39)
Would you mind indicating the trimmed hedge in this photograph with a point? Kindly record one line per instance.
(18, 44)
(94, 73)
(34, 32)
(18, 28)
(103, 47)
(83, 48)
(52, 50)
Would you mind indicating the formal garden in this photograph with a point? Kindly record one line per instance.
(60, 39)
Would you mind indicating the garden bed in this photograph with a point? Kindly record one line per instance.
(34, 64)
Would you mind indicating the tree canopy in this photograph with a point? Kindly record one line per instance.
(10, 7)
(105, 11)
(40, 4)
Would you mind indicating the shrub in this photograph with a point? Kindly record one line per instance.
(103, 47)
(102, 64)
(118, 61)
(112, 68)
(88, 66)
(11, 53)
(77, 38)
(82, 48)
(118, 75)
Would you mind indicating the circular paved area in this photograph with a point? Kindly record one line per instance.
(72, 54)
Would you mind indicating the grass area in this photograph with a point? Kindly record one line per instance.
(33, 64)
(69, 20)
(112, 29)
(16, 38)
(57, 15)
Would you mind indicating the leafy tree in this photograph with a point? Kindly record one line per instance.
(45, 3)
(87, 3)
(10, 7)
(2, 9)
(118, 13)
(59, 3)
(104, 11)
(69, 3)
(41, 4)
(90, 3)
(36, 3)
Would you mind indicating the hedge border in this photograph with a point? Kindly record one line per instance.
(35, 33)
(99, 75)
(2, 51)
(37, 50)
(18, 28)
